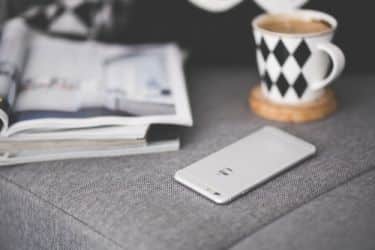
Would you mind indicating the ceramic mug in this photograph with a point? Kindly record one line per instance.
(296, 68)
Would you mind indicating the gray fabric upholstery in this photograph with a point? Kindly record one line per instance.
(133, 202)
(3, 13)
(341, 219)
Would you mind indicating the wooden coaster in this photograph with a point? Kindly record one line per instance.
(319, 109)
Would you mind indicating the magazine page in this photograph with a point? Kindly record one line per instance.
(68, 84)
(100, 133)
(71, 145)
(7, 159)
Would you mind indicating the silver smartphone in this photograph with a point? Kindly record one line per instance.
(244, 165)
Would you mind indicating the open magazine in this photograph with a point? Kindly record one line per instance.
(65, 99)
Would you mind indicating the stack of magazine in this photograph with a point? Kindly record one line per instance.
(64, 99)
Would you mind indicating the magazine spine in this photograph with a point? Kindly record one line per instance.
(14, 50)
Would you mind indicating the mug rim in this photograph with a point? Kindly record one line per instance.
(307, 13)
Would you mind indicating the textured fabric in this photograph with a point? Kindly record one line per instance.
(341, 219)
(133, 202)
(3, 13)
(28, 222)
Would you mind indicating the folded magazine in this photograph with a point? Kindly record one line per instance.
(62, 98)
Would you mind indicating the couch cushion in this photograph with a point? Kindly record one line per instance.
(340, 219)
(133, 202)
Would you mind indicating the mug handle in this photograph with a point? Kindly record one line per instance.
(338, 60)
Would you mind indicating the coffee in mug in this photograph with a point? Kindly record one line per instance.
(294, 53)
(291, 25)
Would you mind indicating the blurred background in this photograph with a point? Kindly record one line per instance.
(224, 38)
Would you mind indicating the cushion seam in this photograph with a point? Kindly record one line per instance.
(61, 210)
(371, 169)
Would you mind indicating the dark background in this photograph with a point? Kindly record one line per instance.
(226, 38)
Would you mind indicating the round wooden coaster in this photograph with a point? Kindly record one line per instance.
(319, 109)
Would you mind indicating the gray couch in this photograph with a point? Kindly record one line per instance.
(327, 202)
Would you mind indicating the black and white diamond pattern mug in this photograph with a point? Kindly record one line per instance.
(296, 68)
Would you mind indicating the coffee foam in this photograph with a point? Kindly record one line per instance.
(294, 25)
